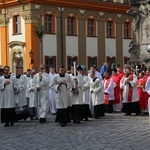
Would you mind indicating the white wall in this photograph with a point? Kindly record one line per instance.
(92, 46)
(71, 45)
(126, 43)
(110, 45)
(20, 37)
(49, 45)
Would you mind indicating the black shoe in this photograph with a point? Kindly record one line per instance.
(6, 125)
(78, 121)
(11, 123)
(86, 119)
(35, 118)
(74, 121)
(62, 124)
(53, 113)
(127, 114)
(42, 120)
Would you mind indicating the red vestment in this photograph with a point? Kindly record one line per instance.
(146, 96)
(117, 90)
(121, 74)
(130, 92)
(106, 95)
(141, 82)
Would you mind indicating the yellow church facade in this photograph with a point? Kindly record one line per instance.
(57, 32)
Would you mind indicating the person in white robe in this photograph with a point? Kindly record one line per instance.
(96, 89)
(41, 83)
(20, 94)
(7, 100)
(52, 92)
(62, 84)
(76, 95)
(28, 77)
(85, 92)
(98, 75)
(33, 103)
(147, 89)
(109, 96)
(130, 93)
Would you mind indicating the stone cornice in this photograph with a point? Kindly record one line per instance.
(79, 4)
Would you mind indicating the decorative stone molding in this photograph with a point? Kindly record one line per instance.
(101, 13)
(3, 21)
(82, 11)
(14, 43)
(29, 18)
(61, 9)
(119, 15)
(37, 6)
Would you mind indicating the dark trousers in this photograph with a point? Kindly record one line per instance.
(7, 115)
(109, 107)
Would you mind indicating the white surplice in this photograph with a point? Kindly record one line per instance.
(77, 98)
(125, 87)
(97, 94)
(7, 99)
(20, 95)
(62, 93)
(43, 93)
(32, 94)
(52, 94)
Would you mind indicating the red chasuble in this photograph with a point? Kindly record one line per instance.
(106, 95)
(140, 85)
(117, 90)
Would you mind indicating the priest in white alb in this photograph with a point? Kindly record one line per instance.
(41, 83)
(7, 101)
(62, 84)
(130, 101)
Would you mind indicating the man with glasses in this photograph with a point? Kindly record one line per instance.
(41, 84)
(7, 100)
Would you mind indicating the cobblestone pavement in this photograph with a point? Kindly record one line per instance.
(113, 132)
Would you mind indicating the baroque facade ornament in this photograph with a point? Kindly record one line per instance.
(31, 18)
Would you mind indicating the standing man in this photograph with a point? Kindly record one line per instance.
(108, 92)
(20, 94)
(51, 91)
(99, 76)
(130, 93)
(28, 77)
(117, 91)
(7, 101)
(62, 84)
(76, 95)
(147, 88)
(41, 83)
(103, 69)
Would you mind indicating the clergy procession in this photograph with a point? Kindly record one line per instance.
(74, 95)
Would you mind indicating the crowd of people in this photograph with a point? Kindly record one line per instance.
(72, 95)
